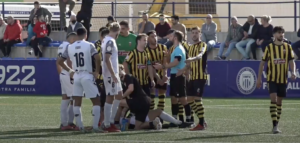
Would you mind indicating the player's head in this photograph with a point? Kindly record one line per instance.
(145, 16)
(110, 19)
(114, 29)
(124, 28)
(141, 40)
(196, 34)
(103, 33)
(170, 35)
(278, 33)
(175, 19)
(72, 37)
(81, 33)
(178, 37)
(152, 37)
(121, 71)
(36, 4)
(209, 18)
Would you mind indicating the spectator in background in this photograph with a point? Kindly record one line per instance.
(296, 46)
(162, 29)
(250, 35)
(85, 15)
(235, 34)
(2, 30)
(146, 25)
(12, 35)
(176, 25)
(74, 25)
(209, 32)
(264, 35)
(38, 11)
(62, 9)
(31, 34)
(110, 19)
(41, 40)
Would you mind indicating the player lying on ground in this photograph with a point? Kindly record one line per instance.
(139, 104)
(66, 107)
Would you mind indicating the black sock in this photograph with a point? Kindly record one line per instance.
(175, 110)
(187, 109)
(117, 122)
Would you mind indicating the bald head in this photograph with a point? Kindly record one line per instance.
(251, 19)
(73, 18)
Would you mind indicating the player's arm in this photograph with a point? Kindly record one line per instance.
(128, 60)
(129, 83)
(108, 53)
(199, 56)
(58, 67)
(165, 71)
(262, 63)
(292, 62)
(60, 61)
(96, 56)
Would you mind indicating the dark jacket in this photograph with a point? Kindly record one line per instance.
(246, 27)
(77, 26)
(298, 33)
(265, 33)
(39, 12)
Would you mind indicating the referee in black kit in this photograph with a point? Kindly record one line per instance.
(85, 15)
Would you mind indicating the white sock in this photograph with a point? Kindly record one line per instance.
(168, 118)
(78, 116)
(96, 116)
(107, 114)
(115, 107)
(71, 114)
(64, 112)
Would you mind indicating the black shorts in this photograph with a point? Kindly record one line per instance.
(278, 88)
(158, 86)
(196, 87)
(140, 108)
(177, 86)
(146, 89)
(102, 92)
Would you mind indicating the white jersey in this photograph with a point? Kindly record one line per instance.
(109, 46)
(61, 49)
(81, 53)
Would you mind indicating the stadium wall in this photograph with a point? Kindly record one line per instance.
(227, 79)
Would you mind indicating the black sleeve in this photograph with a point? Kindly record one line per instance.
(128, 80)
(178, 58)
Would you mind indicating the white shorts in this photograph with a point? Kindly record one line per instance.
(66, 85)
(132, 120)
(112, 88)
(84, 82)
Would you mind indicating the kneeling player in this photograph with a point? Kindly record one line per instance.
(66, 110)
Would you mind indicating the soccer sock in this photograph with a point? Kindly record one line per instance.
(168, 118)
(152, 105)
(273, 112)
(279, 108)
(107, 114)
(115, 107)
(180, 112)
(194, 108)
(187, 109)
(71, 114)
(96, 116)
(161, 101)
(64, 112)
(200, 111)
(78, 116)
(174, 110)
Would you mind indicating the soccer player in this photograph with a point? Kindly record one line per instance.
(196, 65)
(112, 83)
(66, 106)
(140, 66)
(157, 54)
(186, 48)
(177, 62)
(139, 104)
(279, 56)
(81, 53)
(126, 41)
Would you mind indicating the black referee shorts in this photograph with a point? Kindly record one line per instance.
(278, 88)
(196, 87)
(177, 86)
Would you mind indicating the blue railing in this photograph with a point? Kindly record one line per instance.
(292, 6)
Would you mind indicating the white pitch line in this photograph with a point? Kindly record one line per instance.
(251, 104)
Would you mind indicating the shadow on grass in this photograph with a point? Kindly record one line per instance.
(134, 132)
(221, 136)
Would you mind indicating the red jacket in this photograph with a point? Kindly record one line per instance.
(14, 31)
(40, 29)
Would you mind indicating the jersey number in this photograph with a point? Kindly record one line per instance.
(79, 59)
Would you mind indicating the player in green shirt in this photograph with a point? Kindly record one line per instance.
(125, 41)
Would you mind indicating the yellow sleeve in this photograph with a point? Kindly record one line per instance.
(266, 54)
(291, 53)
(129, 57)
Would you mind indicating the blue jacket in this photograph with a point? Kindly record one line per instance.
(30, 34)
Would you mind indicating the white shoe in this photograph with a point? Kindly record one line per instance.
(157, 124)
(276, 130)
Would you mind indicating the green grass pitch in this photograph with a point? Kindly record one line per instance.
(35, 119)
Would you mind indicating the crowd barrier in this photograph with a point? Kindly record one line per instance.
(227, 79)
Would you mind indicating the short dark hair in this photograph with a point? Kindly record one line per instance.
(171, 31)
(102, 28)
(179, 36)
(111, 18)
(162, 15)
(278, 29)
(124, 23)
(71, 34)
(176, 17)
(81, 31)
(151, 32)
(140, 36)
(36, 3)
(104, 32)
(196, 28)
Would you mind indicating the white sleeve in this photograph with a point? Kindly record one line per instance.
(65, 55)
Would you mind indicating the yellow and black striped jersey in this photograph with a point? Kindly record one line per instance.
(98, 47)
(157, 55)
(278, 57)
(198, 68)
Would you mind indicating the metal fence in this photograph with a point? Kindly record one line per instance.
(283, 13)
